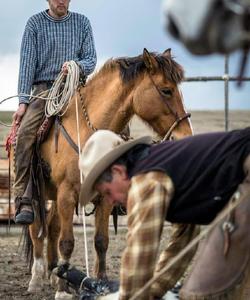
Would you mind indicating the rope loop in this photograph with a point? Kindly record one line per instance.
(62, 91)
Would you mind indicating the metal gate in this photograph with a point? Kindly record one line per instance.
(226, 78)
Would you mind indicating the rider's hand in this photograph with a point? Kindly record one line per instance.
(65, 68)
(18, 115)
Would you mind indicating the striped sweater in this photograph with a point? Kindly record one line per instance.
(47, 43)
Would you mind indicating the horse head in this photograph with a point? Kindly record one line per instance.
(209, 26)
(157, 99)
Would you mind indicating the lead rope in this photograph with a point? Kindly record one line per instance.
(81, 180)
(58, 106)
(236, 200)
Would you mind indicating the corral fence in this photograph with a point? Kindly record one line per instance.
(6, 209)
(226, 78)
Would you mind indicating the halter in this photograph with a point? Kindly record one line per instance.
(178, 119)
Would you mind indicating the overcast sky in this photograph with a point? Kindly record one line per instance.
(121, 28)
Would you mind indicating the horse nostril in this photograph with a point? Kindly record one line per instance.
(172, 138)
(172, 28)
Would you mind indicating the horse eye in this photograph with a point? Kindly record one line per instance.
(167, 92)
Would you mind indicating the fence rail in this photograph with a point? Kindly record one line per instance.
(226, 78)
(215, 78)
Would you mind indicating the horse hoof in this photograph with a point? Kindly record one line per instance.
(63, 296)
(53, 280)
(34, 288)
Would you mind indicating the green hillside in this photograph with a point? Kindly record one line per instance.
(6, 116)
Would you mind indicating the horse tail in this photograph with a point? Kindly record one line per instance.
(115, 218)
(118, 211)
(27, 246)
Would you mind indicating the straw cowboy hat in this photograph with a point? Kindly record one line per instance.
(99, 152)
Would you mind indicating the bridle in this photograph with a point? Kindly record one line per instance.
(178, 119)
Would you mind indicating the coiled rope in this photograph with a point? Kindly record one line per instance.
(62, 91)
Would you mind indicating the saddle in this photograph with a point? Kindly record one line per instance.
(222, 266)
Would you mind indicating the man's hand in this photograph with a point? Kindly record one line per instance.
(18, 115)
(65, 68)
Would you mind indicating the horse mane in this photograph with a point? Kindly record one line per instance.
(131, 67)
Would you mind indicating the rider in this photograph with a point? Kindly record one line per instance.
(51, 39)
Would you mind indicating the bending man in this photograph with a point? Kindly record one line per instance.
(187, 181)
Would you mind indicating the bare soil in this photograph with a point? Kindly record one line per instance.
(14, 274)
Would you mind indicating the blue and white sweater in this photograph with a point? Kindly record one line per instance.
(47, 43)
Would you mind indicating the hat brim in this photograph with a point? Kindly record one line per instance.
(87, 193)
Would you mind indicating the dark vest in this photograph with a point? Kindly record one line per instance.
(205, 169)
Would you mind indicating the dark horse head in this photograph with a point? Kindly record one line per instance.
(209, 26)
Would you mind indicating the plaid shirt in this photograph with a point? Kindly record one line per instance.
(148, 200)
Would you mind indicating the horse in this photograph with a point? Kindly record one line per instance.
(147, 86)
(211, 26)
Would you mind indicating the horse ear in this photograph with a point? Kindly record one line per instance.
(149, 61)
(167, 52)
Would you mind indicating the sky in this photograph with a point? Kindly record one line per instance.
(122, 28)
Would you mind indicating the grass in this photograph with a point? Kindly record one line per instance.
(5, 117)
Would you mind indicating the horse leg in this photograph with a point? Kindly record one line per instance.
(38, 270)
(52, 242)
(66, 205)
(102, 214)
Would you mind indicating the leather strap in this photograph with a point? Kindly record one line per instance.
(56, 134)
(60, 126)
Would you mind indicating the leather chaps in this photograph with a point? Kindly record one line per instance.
(221, 268)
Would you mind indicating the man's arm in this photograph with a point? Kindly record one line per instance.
(28, 61)
(88, 59)
(148, 200)
(181, 235)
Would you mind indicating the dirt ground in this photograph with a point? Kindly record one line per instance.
(14, 275)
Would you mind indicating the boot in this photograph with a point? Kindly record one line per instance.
(24, 211)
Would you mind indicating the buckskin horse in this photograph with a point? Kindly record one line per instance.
(146, 86)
